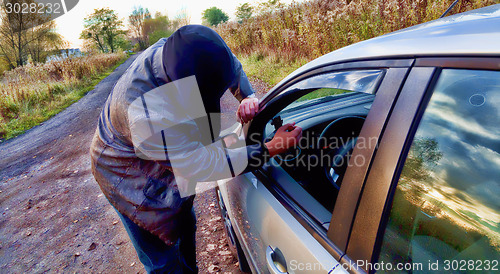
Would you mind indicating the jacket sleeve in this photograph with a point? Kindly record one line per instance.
(241, 87)
(181, 148)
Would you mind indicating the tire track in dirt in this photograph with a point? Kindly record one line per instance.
(53, 215)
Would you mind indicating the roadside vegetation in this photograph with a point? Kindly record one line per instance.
(33, 89)
(146, 29)
(270, 69)
(31, 94)
(272, 39)
(23, 39)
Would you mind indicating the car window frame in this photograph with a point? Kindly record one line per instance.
(386, 93)
(375, 203)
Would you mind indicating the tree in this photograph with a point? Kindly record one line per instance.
(102, 28)
(50, 43)
(136, 21)
(182, 18)
(214, 16)
(243, 12)
(123, 43)
(269, 6)
(158, 27)
(25, 33)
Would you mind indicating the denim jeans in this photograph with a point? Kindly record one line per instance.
(156, 256)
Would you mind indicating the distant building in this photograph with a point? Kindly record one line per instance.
(65, 53)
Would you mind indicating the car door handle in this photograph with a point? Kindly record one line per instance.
(276, 262)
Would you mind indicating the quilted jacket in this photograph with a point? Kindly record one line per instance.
(146, 189)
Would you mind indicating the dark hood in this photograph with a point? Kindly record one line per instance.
(200, 51)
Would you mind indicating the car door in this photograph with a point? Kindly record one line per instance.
(431, 198)
(282, 225)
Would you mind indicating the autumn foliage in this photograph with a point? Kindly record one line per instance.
(310, 29)
(28, 89)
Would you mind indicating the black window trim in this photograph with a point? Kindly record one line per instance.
(401, 161)
(374, 194)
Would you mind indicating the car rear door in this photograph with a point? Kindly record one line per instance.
(430, 202)
(275, 224)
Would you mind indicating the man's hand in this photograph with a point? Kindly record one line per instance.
(248, 108)
(285, 137)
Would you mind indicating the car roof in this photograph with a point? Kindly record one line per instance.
(471, 33)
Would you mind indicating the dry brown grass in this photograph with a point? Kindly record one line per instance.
(310, 29)
(31, 94)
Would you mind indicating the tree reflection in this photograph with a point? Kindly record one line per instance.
(423, 157)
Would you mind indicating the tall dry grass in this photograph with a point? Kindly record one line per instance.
(31, 91)
(310, 29)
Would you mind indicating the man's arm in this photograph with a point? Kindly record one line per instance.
(241, 87)
(243, 91)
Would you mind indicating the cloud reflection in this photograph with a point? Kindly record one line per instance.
(464, 184)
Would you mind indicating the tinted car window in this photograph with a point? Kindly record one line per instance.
(446, 209)
(331, 109)
(325, 88)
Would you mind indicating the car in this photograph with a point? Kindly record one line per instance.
(398, 168)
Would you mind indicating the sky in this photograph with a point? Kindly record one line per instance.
(70, 25)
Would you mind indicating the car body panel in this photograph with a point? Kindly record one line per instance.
(261, 221)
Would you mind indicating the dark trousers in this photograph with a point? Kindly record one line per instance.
(156, 256)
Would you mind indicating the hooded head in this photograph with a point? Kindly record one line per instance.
(200, 51)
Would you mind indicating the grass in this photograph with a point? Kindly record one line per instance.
(31, 96)
(320, 93)
(268, 69)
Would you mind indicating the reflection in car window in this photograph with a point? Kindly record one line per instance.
(338, 101)
(361, 81)
(328, 85)
(446, 209)
(326, 90)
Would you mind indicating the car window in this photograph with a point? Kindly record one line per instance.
(331, 109)
(316, 92)
(446, 209)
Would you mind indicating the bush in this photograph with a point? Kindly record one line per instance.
(158, 34)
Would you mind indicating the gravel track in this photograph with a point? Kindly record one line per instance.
(54, 217)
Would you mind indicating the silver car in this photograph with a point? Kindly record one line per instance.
(398, 169)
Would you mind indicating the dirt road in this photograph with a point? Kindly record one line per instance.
(53, 215)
